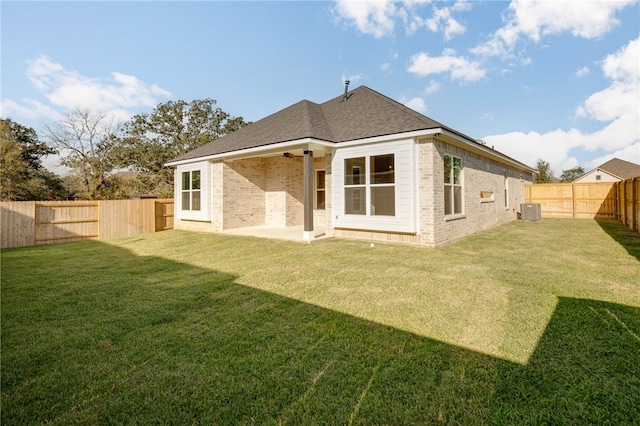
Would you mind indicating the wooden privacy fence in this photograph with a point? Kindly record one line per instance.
(610, 200)
(574, 200)
(628, 195)
(27, 223)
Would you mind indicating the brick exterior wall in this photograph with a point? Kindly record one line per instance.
(217, 195)
(243, 200)
(275, 197)
(479, 174)
(259, 191)
(284, 192)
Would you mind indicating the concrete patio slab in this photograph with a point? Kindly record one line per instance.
(291, 233)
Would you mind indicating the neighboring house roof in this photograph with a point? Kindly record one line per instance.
(363, 113)
(620, 168)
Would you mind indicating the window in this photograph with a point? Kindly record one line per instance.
(191, 190)
(320, 190)
(369, 186)
(452, 185)
(354, 186)
(598, 177)
(382, 181)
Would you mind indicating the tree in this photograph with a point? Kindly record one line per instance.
(173, 128)
(570, 175)
(85, 140)
(544, 172)
(23, 176)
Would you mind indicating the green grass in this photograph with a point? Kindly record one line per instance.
(528, 323)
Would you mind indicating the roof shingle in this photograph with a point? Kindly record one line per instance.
(622, 169)
(363, 114)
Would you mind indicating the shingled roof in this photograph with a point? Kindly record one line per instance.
(364, 113)
(620, 168)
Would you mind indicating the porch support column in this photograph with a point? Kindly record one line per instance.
(308, 233)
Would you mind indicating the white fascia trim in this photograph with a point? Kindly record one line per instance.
(387, 138)
(250, 152)
(488, 152)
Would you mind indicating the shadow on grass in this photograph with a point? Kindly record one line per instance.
(110, 337)
(623, 235)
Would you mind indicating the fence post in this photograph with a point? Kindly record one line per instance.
(625, 214)
(573, 201)
(616, 185)
(35, 223)
(634, 207)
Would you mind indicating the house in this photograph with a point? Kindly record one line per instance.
(360, 166)
(614, 170)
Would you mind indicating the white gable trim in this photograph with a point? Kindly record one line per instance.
(587, 177)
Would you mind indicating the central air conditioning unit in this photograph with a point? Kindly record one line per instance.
(531, 212)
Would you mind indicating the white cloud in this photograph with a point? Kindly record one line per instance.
(378, 17)
(432, 88)
(66, 90)
(30, 109)
(487, 116)
(582, 72)
(629, 153)
(458, 67)
(552, 146)
(416, 104)
(616, 105)
(374, 17)
(443, 21)
(537, 18)
(388, 65)
(623, 65)
(353, 78)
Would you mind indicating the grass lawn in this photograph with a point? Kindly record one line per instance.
(527, 323)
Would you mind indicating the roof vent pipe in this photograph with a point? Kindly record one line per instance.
(346, 89)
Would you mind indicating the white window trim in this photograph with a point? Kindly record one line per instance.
(462, 214)
(203, 213)
(404, 220)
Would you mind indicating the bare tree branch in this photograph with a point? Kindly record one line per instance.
(85, 140)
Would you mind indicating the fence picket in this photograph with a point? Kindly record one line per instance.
(29, 223)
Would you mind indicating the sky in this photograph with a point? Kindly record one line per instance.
(551, 80)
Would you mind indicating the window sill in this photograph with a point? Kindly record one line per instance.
(487, 201)
(454, 217)
(195, 220)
